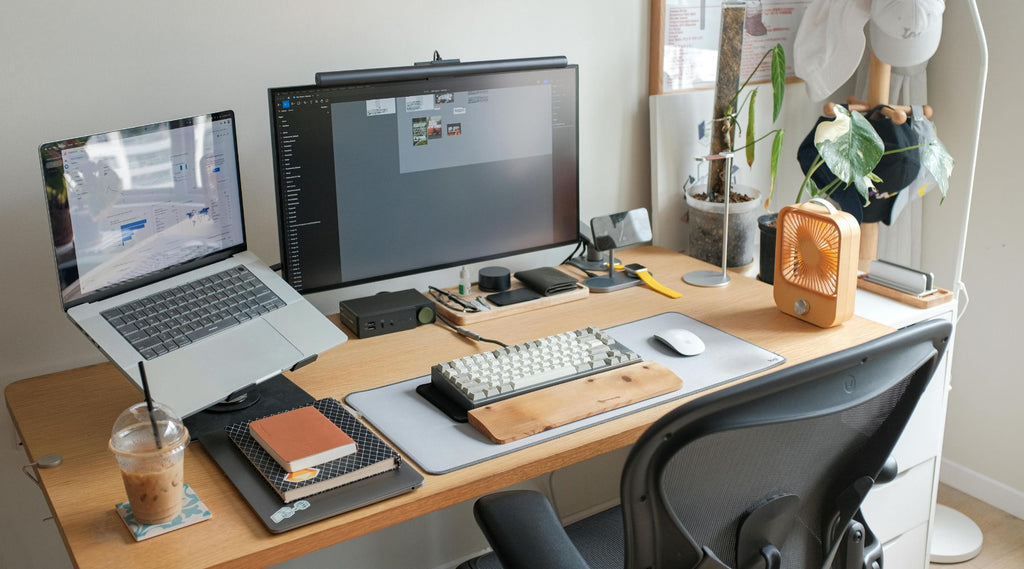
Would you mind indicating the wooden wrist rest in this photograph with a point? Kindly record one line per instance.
(544, 409)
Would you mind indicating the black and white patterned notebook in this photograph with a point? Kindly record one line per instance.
(373, 456)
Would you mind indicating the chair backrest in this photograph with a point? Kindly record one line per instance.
(780, 463)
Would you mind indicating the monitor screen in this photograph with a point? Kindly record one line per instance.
(387, 178)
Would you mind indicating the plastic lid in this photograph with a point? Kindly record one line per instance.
(133, 429)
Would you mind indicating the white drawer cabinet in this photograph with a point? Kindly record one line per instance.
(905, 550)
(901, 513)
(901, 505)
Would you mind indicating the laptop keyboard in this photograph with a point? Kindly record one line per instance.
(174, 318)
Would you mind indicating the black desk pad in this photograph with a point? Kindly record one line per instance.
(280, 517)
(278, 394)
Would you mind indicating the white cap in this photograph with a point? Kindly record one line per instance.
(905, 32)
(829, 44)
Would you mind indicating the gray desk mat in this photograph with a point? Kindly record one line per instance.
(439, 445)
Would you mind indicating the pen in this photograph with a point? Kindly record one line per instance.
(456, 299)
(465, 303)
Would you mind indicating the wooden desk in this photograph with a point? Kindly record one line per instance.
(72, 412)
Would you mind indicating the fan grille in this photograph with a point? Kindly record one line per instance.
(810, 253)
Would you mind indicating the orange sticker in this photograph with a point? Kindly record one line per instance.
(302, 475)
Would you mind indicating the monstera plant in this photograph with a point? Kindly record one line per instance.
(851, 149)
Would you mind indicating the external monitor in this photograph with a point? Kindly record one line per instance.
(406, 170)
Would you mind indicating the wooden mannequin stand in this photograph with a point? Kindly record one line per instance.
(879, 74)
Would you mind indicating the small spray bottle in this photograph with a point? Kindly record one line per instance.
(465, 286)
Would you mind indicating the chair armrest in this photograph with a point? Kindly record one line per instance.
(525, 533)
(889, 471)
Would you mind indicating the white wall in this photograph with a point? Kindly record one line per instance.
(985, 424)
(78, 68)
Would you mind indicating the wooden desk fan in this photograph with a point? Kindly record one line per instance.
(817, 247)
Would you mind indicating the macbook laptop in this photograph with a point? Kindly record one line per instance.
(151, 256)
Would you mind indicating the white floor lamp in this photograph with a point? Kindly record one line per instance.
(955, 538)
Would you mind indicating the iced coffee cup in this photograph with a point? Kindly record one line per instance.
(151, 455)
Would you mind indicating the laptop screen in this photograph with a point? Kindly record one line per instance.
(133, 206)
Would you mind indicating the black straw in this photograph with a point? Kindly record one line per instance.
(149, 405)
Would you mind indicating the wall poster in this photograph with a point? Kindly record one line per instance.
(685, 34)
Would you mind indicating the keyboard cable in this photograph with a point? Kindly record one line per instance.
(467, 333)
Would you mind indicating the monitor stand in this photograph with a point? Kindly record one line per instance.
(266, 398)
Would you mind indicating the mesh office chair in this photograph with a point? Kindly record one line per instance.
(767, 474)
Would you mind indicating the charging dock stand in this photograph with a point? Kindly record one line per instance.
(613, 280)
(617, 230)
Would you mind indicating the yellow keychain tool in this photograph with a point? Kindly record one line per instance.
(639, 271)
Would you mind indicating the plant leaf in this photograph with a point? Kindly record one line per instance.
(863, 185)
(776, 153)
(832, 130)
(750, 127)
(849, 145)
(936, 159)
(778, 79)
(810, 187)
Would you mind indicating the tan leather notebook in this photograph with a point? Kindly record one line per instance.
(301, 438)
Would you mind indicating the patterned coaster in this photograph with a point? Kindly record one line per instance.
(193, 511)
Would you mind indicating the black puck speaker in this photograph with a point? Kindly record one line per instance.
(494, 279)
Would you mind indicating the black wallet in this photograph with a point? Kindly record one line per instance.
(547, 280)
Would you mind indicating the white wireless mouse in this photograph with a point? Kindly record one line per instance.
(682, 341)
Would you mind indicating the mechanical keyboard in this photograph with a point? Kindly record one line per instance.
(174, 318)
(482, 379)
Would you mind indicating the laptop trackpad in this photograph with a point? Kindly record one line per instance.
(230, 360)
(306, 328)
